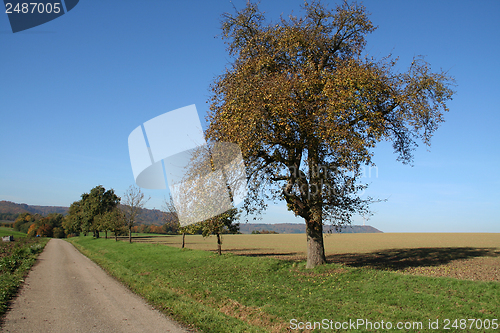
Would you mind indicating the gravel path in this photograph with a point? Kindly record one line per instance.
(66, 292)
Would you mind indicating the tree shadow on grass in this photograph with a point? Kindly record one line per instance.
(396, 259)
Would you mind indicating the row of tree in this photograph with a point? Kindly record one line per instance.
(264, 232)
(96, 211)
(100, 211)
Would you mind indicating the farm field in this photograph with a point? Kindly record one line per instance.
(295, 244)
(256, 292)
(474, 256)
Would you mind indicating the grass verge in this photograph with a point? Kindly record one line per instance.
(4, 231)
(232, 293)
(16, 259)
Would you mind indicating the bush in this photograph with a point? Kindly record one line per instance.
(18, 258)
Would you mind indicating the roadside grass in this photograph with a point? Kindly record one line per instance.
(4, 231)
(231, 293)
(16, 259)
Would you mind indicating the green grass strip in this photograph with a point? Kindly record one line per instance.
(4, 231)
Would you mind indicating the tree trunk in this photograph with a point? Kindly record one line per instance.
(116, 236)
(315, 246)
(183, 239)
(105, 234)
(219, 244)
(130, 234)
(96, 233)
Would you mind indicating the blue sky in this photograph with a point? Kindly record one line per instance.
(73, 89)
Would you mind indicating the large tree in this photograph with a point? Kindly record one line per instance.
(307, 106)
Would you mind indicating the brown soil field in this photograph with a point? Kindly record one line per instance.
(472, 256)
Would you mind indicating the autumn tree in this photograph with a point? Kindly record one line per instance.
(307, 107)
(32, 230)
(133, 201)
(24, 221)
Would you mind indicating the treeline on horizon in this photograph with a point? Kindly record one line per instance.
(9, 211)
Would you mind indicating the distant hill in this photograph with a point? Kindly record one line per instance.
(150, 216)
(300, 228)
(8, 207)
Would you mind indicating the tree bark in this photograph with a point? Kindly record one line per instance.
(315, 247)
(183, 239)
(116, 236)
(219, 244)
(105, 234)
(130, 234)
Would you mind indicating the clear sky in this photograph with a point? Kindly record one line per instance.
(73, 89)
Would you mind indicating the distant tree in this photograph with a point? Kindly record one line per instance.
(198, 201)
(264, 232)
(32, 230)
(9, 216)
(50, 226)
(221, 224)
(24, 221)
(58, 232)
(171, 226)
(82, 214)
(172, 217)
(98, 201)
(307, 108)
(133, 202)
(156, 229)
(45, 230)
(113, 220)
(72, 223)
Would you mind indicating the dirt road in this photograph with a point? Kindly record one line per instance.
(66, 292)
